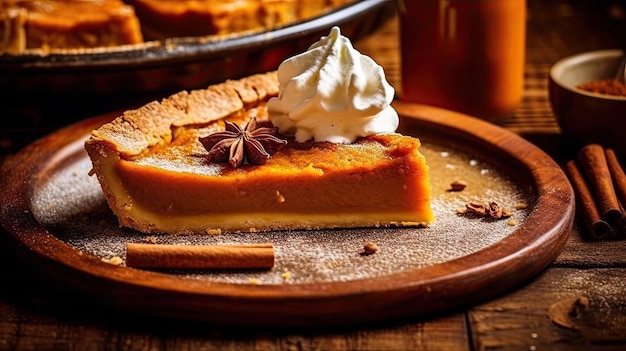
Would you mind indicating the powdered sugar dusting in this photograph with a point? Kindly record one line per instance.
(195, 165)
(71, 206)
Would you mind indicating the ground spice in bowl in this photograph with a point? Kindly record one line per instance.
(605, 86)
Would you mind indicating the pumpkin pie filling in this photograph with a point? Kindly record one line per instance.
(379, 181)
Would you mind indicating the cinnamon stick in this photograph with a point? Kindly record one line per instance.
(253, 256)
(621, 228)
(593, 161)
(617, 175)
(619, 182)
(597, 228)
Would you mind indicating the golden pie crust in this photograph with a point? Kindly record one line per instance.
(156, 178)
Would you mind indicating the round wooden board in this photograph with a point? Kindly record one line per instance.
(418, 292)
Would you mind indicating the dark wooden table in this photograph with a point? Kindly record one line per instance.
(540, 315)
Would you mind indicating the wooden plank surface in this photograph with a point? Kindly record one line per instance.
(38, 316)
(582, 253)
(543, 315)
(37, 331)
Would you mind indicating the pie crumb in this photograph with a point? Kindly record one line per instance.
(115, 260)
(457, 185)
(151, 239)
(279, 197)
(215, 231)
(370, 248)
(286, 275)
(521, 206)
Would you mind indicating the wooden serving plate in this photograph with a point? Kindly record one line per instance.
(455, 262)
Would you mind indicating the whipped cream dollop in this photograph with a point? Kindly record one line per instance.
(332, 93)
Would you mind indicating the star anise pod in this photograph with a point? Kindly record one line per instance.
(487, 209)
(236, 146)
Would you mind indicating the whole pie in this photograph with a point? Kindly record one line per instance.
(77, 24)
(67, 24)
(159, 177)
(165, 19)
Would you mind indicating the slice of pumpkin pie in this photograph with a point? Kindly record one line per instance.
(236, 157)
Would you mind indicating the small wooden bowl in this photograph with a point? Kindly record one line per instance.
(587, 117)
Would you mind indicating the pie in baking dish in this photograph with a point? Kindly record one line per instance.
(78, 24)
(68, 24)
(165, 19)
